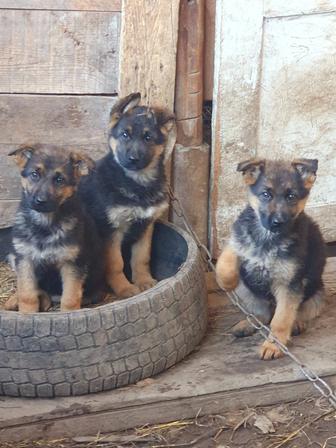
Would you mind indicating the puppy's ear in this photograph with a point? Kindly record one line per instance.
(165, 119)
(167, 122)
(22, 155)
(122, 106)
(251, 170)
(82, 163)
(307, 169)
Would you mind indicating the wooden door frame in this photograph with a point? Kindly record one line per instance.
(238, 49)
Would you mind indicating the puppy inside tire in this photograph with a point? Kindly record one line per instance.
(91, 350)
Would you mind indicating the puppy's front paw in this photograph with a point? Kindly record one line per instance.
(29, 305)
(270, 351)
(227, 269)
(12, 304)
(145, 282)
(228, 280)
(128, 291)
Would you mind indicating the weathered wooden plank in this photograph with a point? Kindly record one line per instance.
(191, 159)
(274, 8)
(209, 47)
(63, 5)
(59, 52)
(189, 73)
(148, 50)
(191, 185)
(72, 121)
(296, 109)
(224, 374)
(325, 216)
(235, 112)
(156, 413)
(8, 208)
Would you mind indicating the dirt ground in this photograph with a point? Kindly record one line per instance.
(303, 424)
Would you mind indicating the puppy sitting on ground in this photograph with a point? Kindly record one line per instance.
(52, 234)
(276, 250)
(127, 191)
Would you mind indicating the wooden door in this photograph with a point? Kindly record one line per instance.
(64, 62)
(274, 96)
(58, 79)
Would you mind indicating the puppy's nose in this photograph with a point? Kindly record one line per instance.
(277, 221)
(39, 200)
(133, 158)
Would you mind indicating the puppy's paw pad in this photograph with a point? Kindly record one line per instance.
(242, 329)
(270, 351)
(129, 291)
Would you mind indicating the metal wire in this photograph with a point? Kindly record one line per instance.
(322, 386)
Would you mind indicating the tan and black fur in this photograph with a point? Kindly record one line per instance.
(53, 236)
(127, 191)
(276, 250)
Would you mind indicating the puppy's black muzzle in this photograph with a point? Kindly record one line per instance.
(276, 223)
(133, 159)
(43, 204)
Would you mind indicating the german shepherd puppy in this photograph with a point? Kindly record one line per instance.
(127, 191)
(52, 234)
(276, 250)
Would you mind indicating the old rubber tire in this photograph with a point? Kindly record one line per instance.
(91, 350)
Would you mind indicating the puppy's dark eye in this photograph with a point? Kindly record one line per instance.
(291, 197)
(147, 137)
(125, 135)
(266, 195)
(59, 180)
(35, 176)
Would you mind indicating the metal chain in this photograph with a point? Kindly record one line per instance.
(324, 388)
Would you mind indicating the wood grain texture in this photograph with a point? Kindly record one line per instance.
(236, 105)
(189, 70)
(148, 50)
(274, 8)
(325, 216)
(59, 52)
(297, 111)
(209, 47)
(63, 5)
(191, 185)
(70, 121)
(223, 374)
(137, 415)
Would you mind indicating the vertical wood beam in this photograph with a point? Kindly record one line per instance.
(191, 157)
(148, 50)
(209, 48)
(189, 69)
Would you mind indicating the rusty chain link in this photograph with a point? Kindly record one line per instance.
(322, 386)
